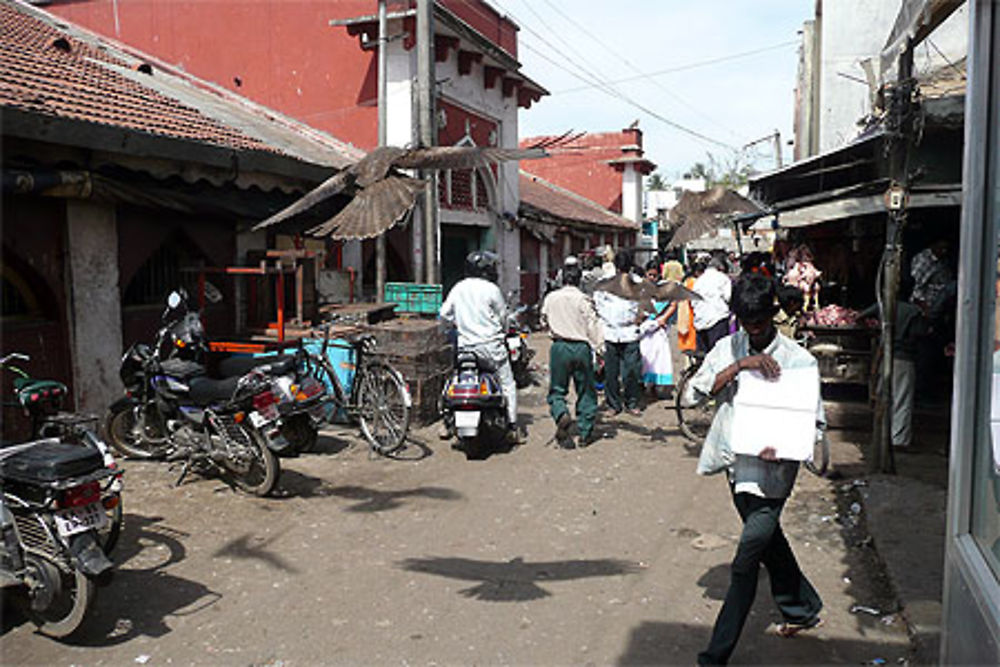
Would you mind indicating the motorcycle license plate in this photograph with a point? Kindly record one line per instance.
(467, 419)
(261, 417)
(79, 519)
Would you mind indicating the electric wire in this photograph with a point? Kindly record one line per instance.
(670, 93)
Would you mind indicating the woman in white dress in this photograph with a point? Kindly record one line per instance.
(654, 343)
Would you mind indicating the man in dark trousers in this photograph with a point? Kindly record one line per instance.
(621, 339)
(761, 484)
(576, 333)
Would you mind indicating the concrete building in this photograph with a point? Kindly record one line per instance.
(119, 173)
(316, 61)
(841, 69)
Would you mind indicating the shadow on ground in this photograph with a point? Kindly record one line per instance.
(300, 485)
(515, 580)
(654, 643)
(142, 595)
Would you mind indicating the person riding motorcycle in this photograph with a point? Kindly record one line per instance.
(475, 305)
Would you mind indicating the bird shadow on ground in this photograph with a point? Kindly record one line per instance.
(658, 434)
(515, 580)
(142, 595)
(254, 547)
(297, 484)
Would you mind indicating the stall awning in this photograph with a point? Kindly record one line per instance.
(861, 205)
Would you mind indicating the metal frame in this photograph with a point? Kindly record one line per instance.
(971, 589)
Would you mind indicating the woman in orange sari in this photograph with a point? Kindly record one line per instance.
(686, 334)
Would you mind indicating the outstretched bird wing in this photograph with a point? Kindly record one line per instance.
(373, 210)
(621, 285)
(668, 290)
(463, 157)
(328, 188)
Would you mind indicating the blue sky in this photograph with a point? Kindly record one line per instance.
(732, 102)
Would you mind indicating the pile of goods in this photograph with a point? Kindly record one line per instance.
(832, 316)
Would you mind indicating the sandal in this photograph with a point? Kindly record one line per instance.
(789, 630)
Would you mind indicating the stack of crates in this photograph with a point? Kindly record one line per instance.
(414, 297)
(420, 350)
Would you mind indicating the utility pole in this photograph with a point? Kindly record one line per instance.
(899, 137)
(382, 114)
(426, 120)
(778, 162)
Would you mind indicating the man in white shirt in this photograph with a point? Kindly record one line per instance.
(711, 314)
(761, 484)
(477, 308)
(621, 344)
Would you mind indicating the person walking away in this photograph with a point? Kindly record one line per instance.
(760, 485)
(711, 314)
(621, 344)
(576, 336)
(673, 270)
(654, 341)
(477, 308)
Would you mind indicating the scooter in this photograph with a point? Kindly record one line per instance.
(473, 406)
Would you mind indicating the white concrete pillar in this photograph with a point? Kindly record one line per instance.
(632, 193)
(543, 265)
(94, 303)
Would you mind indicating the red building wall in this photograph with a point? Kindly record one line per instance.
(581, 166)
(283, 54)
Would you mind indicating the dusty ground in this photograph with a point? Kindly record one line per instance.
(615, 554)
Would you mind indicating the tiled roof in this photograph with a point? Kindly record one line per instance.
(52, 68)
(557, 202)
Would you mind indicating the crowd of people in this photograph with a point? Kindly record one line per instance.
(745, 319)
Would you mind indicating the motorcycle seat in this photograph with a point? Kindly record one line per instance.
(49, 460)
(281, 364)
(182, 369)
(481, 361)
(205, 391)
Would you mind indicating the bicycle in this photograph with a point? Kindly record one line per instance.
(378, 399)
(694, 417)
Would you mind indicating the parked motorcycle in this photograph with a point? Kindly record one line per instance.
(473, 406)
(172, 411)
(42, 401)
(50, 514)
(302, 397)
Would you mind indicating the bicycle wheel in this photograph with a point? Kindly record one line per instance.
(693, 418)
(383, 403)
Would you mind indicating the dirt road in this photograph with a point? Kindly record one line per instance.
(614, 554)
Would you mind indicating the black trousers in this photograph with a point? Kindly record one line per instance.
(707, 338)
(762, 542)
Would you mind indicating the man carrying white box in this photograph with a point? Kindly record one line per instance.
(769, 417)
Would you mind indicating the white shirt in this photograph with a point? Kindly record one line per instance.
(715, 289)
(750, 474)
(477, 308)
(619, 317)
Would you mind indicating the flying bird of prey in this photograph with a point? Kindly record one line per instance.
(644, 292)
(384, 195)
(514, 581)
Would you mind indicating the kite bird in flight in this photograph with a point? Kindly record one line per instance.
(384, 195)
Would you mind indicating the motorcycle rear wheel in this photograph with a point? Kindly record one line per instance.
(262, 475)
(72, 594)
(108, 536)
(301, 432)
(129, 438)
